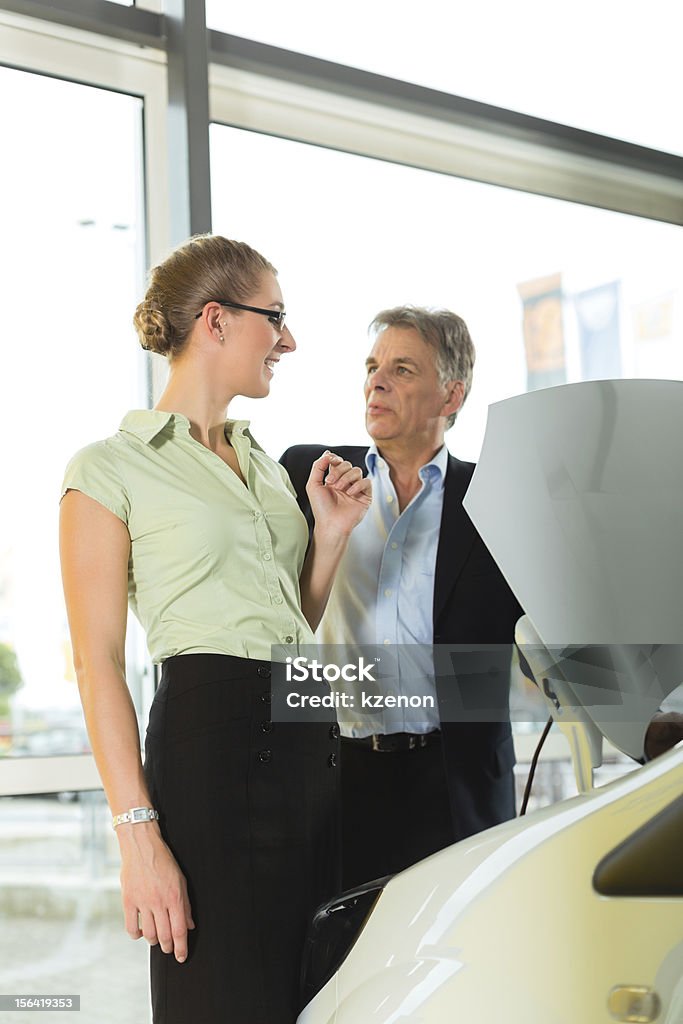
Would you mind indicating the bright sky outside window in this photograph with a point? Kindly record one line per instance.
(71, 267)
(608, 67)
(355, 235)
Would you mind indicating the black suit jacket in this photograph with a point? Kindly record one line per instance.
(472, 605)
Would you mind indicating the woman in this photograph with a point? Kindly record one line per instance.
(183, 515)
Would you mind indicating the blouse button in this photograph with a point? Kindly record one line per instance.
(266, 557)
(289, 639)
(277, 599)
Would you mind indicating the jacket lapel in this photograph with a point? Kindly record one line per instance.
(456, 536)
(355, 455)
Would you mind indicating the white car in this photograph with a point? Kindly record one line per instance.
(574, 913)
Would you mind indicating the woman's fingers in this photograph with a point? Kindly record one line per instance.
(156, 904)
(342, 475)
(320, 467)
(189, 921)
(148, 926)
(164, 931)
(132, 920)
(178, 928)
(361, 488)
(166, 928)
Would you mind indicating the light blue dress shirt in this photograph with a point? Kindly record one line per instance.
(383, 595)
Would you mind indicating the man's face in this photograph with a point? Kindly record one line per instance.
(404, 399)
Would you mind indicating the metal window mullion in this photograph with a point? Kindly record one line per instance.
(128, 24)
(183, 32)
(455, 111)
(188, 118)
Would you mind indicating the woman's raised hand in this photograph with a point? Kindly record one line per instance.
(338, 492)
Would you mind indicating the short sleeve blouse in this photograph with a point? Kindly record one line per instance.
(214, 564)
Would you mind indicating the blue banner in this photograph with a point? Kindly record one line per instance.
(597, 312)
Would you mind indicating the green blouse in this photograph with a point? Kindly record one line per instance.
(214, 565)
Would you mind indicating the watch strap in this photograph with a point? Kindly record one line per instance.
(135, 815)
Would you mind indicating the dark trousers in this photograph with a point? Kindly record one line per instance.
(249, 810)
(395, 809)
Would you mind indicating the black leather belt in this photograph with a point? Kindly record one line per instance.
(395, 741)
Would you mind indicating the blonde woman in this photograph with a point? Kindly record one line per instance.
(228, 834)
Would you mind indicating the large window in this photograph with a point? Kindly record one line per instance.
(607, 67)
(71, 267)
(552, 291)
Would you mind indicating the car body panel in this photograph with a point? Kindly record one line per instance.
(507, 925)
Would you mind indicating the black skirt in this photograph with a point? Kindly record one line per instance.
(250, 810)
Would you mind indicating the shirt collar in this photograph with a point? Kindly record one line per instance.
(439, 463)
(147, 423)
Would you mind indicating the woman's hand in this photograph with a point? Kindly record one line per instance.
(155, 900)
(341, 498)
(339, 501)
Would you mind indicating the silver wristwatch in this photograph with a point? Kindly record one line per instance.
(134, 815)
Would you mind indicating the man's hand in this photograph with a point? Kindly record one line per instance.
(664, 732)
(341, 498)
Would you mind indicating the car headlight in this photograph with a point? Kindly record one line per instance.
(332, 932)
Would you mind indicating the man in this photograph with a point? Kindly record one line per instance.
(415, 572)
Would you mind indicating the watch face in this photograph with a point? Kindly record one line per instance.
(139, 814)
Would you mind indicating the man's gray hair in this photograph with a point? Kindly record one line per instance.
(442, 330)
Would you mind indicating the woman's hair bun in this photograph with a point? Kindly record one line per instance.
(153, 328)
(197, 272)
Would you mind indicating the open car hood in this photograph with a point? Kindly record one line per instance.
(578, 494)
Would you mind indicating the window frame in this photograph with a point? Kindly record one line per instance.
(57, 52)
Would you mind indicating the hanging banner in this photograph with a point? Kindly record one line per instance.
(655, 350)
(653, 319)
(597, 312)
(543, 331)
